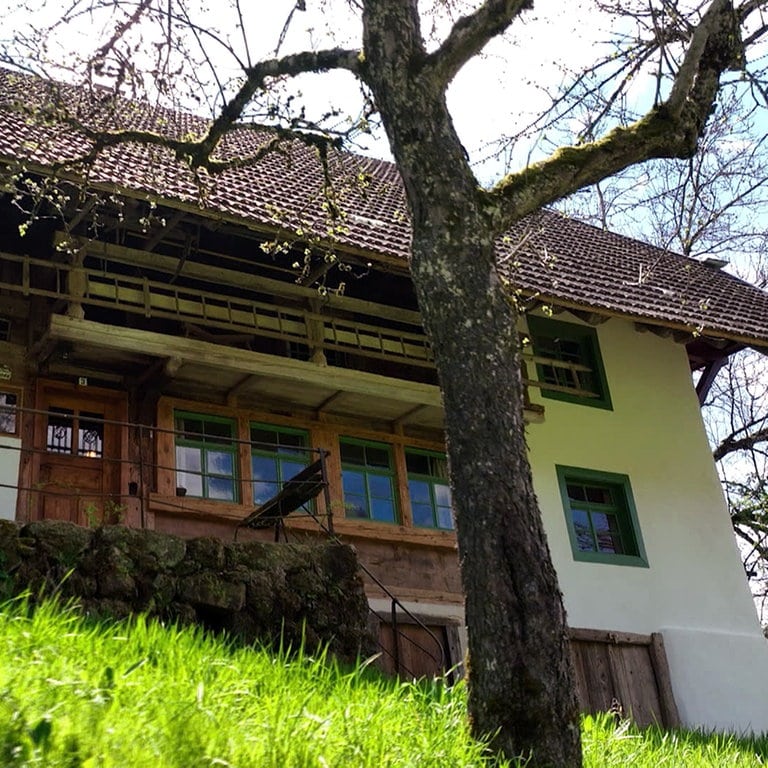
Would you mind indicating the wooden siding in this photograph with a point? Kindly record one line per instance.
(624, 673)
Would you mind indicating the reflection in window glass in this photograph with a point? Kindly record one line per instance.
(368, 480)
(8, 404)
(428, 488)
(90, 435)
(277, 455)
(206, 456)
(59, 432)
(600, 516)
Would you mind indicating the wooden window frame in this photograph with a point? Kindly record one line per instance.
(16, 409)
(391, 474)
(431, 480)
(624, 510)
(589, 355)
(278, 457)
(201, 445)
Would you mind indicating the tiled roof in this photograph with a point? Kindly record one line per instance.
(561, 260)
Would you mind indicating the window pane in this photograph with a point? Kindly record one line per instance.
(219, 463)
(383, 510)
(59, 438)
(445, 517)
(265, 484)
(290, 469)
(576, 492)
(442, 495)
(190, 427)
(90, 435)
(380, 486)
(583, 530)
(355, 506)
(221, 488)
(291, 442)
(193, 483)
(188, 458)
(419, 492)
(218, 432)
(377, 457)
(606, 531)
(354, 483)
(417, 463)
(422, 515)
(599, 495)
(264, 468)
(352, 453)
(265, 438)
(8, 403)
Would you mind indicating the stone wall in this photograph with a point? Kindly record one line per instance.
(252, 590)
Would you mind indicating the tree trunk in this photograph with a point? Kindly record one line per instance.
(520, 679)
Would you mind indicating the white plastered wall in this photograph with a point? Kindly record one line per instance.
(694, 590)
(9, 475)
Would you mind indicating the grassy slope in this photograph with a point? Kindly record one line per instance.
(73, 694)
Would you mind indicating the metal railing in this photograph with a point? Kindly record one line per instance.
(104, 506)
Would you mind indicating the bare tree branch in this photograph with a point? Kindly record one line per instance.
(471, 33)
(670, 130)
(256, 77)
(732, 444)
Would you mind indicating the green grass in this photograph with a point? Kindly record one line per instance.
(74, 693)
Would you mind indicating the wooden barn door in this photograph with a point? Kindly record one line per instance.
(624, 673)
(78, 452)
(413, 651)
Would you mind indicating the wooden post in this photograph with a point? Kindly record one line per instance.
(664, 681)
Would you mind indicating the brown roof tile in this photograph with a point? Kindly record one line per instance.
(561, 260)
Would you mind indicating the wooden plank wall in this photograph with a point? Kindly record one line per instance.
(625, 673)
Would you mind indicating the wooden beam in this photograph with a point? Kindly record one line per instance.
(707, 378)
(589, 317)
(229, 359)
(152, 242)
(329, 401)
(83, 212)
(234, 392)
(316, 273)
(400, 421)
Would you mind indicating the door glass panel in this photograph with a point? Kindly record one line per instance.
(59, 434)
(90, 435)
(8, 403)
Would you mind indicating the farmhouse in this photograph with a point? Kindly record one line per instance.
(177, 349)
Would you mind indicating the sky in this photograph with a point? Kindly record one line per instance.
(493, 97)
(495, 94)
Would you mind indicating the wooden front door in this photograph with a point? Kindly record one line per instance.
(78, 449)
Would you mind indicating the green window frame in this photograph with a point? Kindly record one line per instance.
(581, 377)
(428, 489)
(368, 480)
(206, 456)
(601, 517)
(277, 454)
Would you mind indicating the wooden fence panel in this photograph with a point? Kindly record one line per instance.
(624, 673)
